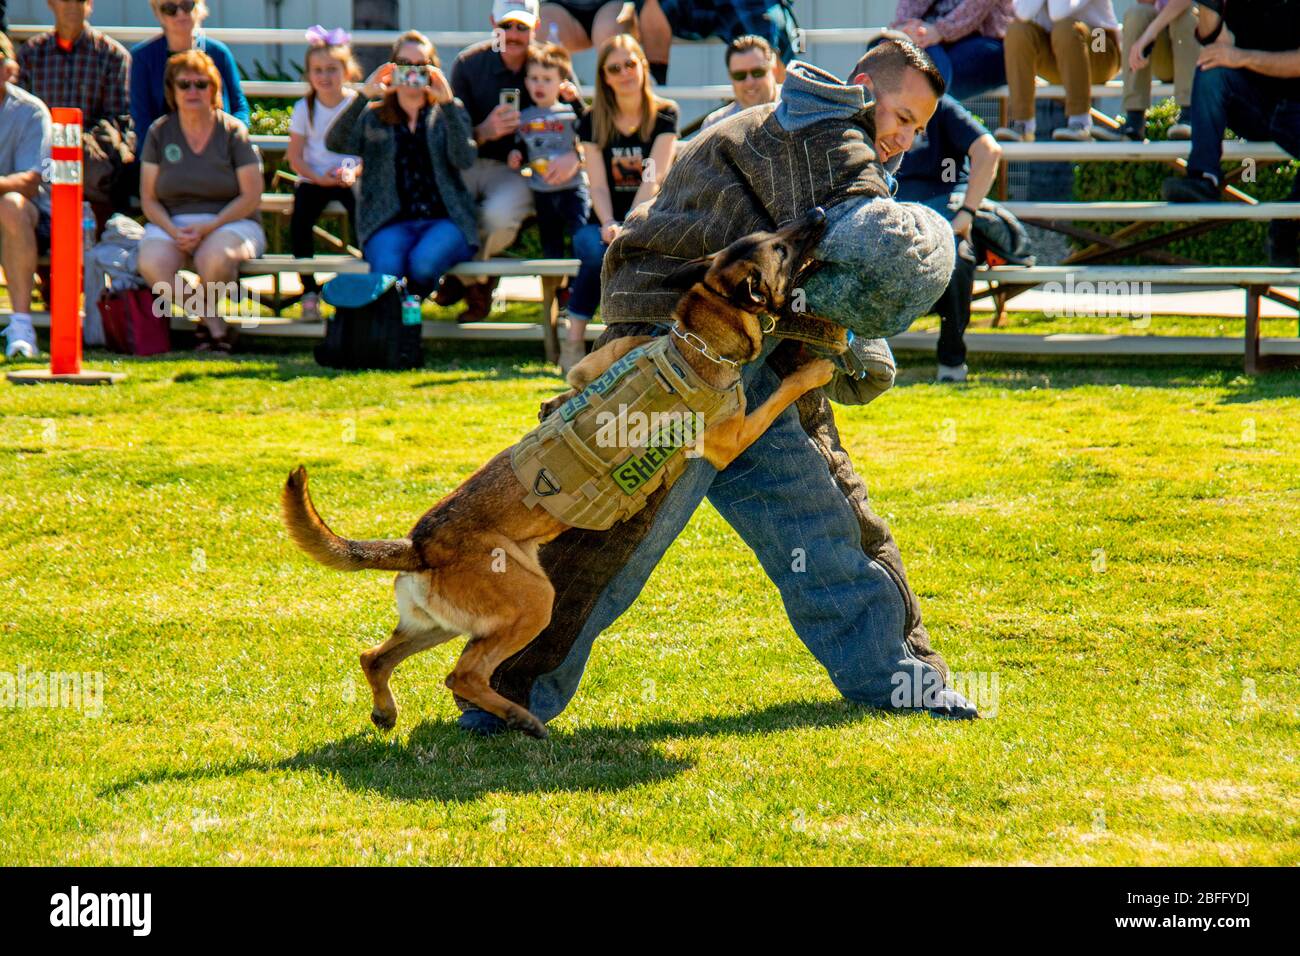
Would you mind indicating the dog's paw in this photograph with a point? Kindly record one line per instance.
(548, 407)
(524, 720)
(814, 374)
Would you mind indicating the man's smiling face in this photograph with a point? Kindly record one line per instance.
(901, 114)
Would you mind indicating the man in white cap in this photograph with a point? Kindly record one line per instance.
(504, 200)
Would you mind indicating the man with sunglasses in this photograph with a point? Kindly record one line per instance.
(751, 65)
(75, 65)
(503, 197)
(24, 201)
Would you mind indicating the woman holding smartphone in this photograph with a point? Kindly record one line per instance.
(627, 143)
(416, 218)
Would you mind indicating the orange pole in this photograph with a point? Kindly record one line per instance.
(65, 243)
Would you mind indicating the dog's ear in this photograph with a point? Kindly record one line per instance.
(689, 273)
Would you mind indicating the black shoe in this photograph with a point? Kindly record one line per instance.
(1191, 189)
(1283, 237)
(1132, 133)
(450, 292)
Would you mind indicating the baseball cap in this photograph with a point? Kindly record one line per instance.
(526, 12)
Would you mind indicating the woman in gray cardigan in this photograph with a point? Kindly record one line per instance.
(416, 218)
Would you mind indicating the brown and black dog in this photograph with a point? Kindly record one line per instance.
(446, 585)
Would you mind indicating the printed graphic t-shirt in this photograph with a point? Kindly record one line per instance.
(546, 132)
(205, 183)
(625, 158)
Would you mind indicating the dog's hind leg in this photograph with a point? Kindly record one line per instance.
(378, 663)
(531, 595)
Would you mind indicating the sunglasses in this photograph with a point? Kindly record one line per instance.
(614, 69)
(191, 84)
(756, 73)
(514, 25)
(171, 9)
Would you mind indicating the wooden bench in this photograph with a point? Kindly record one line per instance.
(1255, 281)
(551, 272)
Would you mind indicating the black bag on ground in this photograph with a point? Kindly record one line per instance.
(368, 329)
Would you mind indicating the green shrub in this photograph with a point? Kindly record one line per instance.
(1239, 244)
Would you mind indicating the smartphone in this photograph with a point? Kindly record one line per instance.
(405, 75)
(510, 98)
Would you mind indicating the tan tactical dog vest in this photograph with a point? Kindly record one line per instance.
(597, 458)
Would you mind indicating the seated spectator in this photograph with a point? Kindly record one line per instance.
(326, 176)
(415, 218)
(24, 201)
(547, 130)
(581, 24)
(483, 76)
(1168, 28)
(1247, 78)
(200, 188)
(751, 66)
(627, 142)
(962, 37)
(661, 20)
(180, 23)
(951, 169)
(75, 65)
(1071, 42)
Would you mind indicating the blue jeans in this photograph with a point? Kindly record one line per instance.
(420, 250)
(971, 65)
(1223, 97)
(782, 500)
(560, 213)
(584, 294)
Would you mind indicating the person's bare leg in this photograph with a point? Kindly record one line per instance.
(607, 23)
(217, 260)
(18, 217)
(656, 34)
(568, 31)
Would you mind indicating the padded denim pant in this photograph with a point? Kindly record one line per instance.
(782, 499)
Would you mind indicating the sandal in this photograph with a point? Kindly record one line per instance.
(225, 344)
(203, 341)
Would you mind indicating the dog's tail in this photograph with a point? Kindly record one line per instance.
(311, 534)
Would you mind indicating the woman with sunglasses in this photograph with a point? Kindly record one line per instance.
(627, 143)
(416, 219)
(181, 21)
(200, 188)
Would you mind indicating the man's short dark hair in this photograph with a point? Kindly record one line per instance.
(6, 48)
(888, 59)
(743, 44)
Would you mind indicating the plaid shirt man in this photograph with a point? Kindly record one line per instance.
(93, 75)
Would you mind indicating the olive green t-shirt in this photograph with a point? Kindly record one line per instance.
(202, 183)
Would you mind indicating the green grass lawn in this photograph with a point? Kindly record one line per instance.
(1116, 546)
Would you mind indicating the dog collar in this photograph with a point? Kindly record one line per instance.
(701, 346)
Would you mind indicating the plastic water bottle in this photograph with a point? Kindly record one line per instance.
(87, 226)
(411, 310)
(553, 34)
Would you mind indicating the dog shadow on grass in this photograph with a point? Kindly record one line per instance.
(438, 761)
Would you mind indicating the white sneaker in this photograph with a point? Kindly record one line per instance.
(951, 373)
(1073, 134)
(21, 339)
